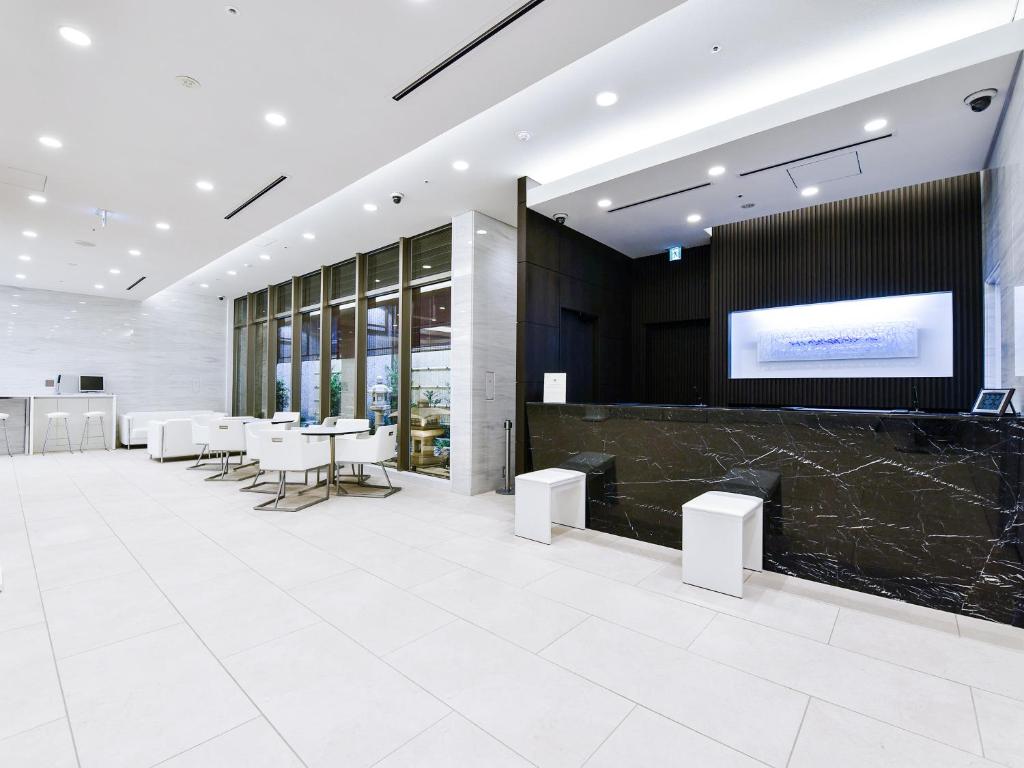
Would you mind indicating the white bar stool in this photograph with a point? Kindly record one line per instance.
(3, 423)
(90, 417)
(721, 537)
(52, 421)
(550, 496)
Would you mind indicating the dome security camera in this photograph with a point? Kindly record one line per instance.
(561, 218)
(220, 298)
(397, 198)
(979, 101)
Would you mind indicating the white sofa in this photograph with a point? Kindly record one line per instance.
(175, 438)
(133, 425)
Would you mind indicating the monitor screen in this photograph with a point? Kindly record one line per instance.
(90, 383)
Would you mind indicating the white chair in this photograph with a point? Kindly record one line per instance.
(287, 451)
(291, 417)
(3, 423)
(53, 420)
(721, 537)
(549, 496)
(201, 438)
(254, 431)
(90, 418)
(360, 424)
(377, 448)
(227, 436)
(170, 439)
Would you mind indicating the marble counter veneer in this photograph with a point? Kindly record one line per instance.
(917, 507)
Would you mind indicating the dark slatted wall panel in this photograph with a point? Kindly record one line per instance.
(668, 292)
(911, 240)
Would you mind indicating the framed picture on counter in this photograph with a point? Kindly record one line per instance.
(993, 402)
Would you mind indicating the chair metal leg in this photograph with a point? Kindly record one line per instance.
(67, 433)
(46, 437)
(7, 442)
(389, 487)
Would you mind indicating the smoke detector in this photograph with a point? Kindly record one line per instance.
(524, 136)
(187, 81)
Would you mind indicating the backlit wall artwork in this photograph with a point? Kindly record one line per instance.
(890, 336)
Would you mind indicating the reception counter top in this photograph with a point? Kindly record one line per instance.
(920, 507)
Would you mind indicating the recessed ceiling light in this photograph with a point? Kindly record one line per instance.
(232, 272)
(75, 36)
(51, 142)
(203, 285)
(163, 226)
(134, 252)
(98, 286)
(693, 218)
(265, 256)
(716, 170)
(809, 191)
(605, 203)
(309, 235)
(875, 125)
(24, 257)
(460, 165)
(37, 198)
(524, 136)
(369, 207)
(606, 99)
(115, 271)
(29, 233)
(481, 231)
(276, 119)
(206, 186)
(20, 276)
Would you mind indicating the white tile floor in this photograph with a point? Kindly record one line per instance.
(151, 618)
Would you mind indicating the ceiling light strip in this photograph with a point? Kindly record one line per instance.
(256, 197)
(659, 197)
(816, 154)
(467, 48)
(135, 283)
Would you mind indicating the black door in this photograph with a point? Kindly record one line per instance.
(676, 362)
(577, 349)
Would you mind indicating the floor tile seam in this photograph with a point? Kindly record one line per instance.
(610, 733)
(205, 741)
(119, 640)
(49, 635)
(412, 738)
(33, 728)
(216, 660)
(796, 736)
(830, 702)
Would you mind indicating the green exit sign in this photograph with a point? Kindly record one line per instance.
(675, 253)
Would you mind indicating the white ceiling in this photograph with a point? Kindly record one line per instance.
(135, 142)
(347, 137)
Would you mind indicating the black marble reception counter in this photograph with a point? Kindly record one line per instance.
(924, 508)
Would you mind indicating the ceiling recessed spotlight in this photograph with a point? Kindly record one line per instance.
(460, 165)
(75, 36)
(309, 235)
(604, 203)
(693, 218)
(524, 136)
(232, 272)
(481, 231)
(203, 285)
(51, 142)
(369, 207)
(29, 233)
(134, 252)
(115, 271)
(20, 276)
(206, 186)
(809, 191)
(98, 286)
(24, 257)
(163, 226)
(606, 99)
(276, 119)
(716, 170)
(875, 125)
(265, 256)
(37, 198)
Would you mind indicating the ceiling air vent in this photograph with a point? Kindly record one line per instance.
(659, 197)
(256, 197)
(793, 160)
(135, 283)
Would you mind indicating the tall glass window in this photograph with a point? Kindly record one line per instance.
(240, 406)
(259, 364)
(382, 359)
(430, 379)
(309, 372)
(343, 361)
(283, 386)
(382, 268)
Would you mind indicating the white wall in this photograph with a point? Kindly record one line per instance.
(1003, 237)
(163, 353)
(483, 341)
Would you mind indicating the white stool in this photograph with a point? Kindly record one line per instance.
(550, 496)
(90, 416)
(52, 420)
(721, 537)
(3, 423)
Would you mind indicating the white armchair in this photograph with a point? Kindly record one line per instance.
(171, 439)
(377, 448)
(254, 452)
(289, 451)
(227, 436)
(291, 417)
(201, 437)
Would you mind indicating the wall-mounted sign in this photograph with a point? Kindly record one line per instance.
(554, 387)
(675, 253)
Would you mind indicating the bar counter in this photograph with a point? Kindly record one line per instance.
(924, 508)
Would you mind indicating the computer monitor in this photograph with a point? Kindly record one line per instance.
(90, 383)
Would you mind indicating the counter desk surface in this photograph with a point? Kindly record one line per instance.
(923, 507)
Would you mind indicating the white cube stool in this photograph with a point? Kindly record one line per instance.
(550, 496)
(721, 537)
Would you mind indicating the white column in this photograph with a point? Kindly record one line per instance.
(483, 358)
